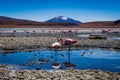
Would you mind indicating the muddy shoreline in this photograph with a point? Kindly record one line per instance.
(41, 43)
(11, 44)
(7, 74)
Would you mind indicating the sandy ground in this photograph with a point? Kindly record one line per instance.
(7, 74)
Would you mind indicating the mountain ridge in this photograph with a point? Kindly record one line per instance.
(63, 19)
(14, 22)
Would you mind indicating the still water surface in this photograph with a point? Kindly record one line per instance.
(83, 59)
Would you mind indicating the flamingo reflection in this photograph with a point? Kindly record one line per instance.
(68, 64)
(56, 64)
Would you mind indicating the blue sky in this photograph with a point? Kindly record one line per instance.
(42, 10)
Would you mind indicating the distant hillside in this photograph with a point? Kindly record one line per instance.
(20, 22)
(6, 22)
(101, 24)
(117, 23)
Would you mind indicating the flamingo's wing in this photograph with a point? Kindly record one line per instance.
(56, 44)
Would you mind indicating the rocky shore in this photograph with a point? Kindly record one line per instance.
(7, 74)
(23, 43)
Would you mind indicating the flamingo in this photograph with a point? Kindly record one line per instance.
(68, 42)
(56, 45)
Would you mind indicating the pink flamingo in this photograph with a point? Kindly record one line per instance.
(64, 42)
(56, 45)
(67, 42)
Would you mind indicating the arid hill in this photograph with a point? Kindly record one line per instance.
(13, 22)
(7, 22)
(101, 24)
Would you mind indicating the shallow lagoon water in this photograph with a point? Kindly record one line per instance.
(97, 59)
